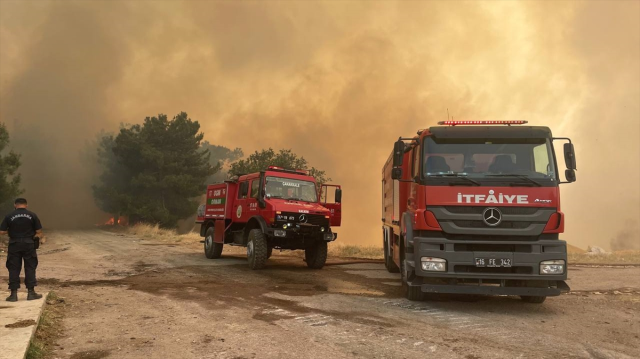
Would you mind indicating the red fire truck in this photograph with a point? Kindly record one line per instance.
(473, 207)
(273, 209)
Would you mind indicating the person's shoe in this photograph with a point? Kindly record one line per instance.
(14, 296)
(32, 295)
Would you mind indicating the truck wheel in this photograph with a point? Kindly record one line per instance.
(257, 249)
(533, 299)
(212, 249)
(391, 266)
(316, 255)
(413, 293)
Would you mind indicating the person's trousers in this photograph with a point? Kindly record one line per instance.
(17, 253)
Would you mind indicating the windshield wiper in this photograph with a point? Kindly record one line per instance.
(524, 177)
(456, 175)
(296, 199)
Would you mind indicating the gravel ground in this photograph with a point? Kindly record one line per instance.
(131, 298)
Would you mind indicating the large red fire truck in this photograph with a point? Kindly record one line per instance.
(473, 207)
(272, 209)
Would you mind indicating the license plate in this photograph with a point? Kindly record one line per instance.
(493, 262)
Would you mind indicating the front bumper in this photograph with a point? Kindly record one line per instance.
(462, 275)
(299, 233)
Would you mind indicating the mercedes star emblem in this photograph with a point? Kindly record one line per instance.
(303, 218)
(492, 216)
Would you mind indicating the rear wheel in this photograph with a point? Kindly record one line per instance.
(257, 249)
(212, 249)
(533, 299)
(413, 293)
(316, 255)
(391, 266)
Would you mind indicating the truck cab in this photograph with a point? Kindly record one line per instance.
(474, 207)
(278, 209)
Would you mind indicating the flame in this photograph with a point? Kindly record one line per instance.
(122, 221)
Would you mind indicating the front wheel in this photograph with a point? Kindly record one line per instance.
(257, 249)
(212, 250)
(316, 255)
(533, 299)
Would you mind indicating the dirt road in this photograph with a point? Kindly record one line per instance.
(132, 298)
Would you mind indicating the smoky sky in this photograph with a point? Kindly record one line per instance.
(337, 82)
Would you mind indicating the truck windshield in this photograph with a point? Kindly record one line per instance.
(519, 161)
(293, 189)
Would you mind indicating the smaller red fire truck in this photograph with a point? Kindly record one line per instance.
(273, 209)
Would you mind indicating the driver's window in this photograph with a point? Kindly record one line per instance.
(541, 159)
(328, 194)
(255, 187)
(416, 162)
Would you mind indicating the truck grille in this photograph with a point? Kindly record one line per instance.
(480, 224)
(479, 210)
(515, 221)
(314, 219)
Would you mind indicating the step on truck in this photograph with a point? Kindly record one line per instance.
(278, 209)
(473, 207)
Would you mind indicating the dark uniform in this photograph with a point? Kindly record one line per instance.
(22, 225)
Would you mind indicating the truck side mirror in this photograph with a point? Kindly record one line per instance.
(570, 156)
(338, 195)
(570, 175)
(396, 173)
(398, 153)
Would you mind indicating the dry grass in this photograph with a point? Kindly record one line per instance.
(49, 328)
(618, 257)
(154, 232)
(355, 251)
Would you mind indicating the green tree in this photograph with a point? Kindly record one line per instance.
(154, 172)
(259, 161)
(9, 164)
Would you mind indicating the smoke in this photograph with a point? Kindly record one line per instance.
(337, 82)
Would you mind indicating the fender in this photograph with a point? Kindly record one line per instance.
(204, 226)
(253, 223)
(406, 228)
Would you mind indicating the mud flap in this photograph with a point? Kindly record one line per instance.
(218, 235)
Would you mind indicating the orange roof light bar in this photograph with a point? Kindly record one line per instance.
(458, 123)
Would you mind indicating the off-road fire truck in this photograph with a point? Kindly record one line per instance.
(273, 209)
(473, 207)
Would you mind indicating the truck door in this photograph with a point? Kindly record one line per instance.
(240, 208)
(331, 198)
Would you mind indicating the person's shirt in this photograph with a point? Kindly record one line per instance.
(21, 223)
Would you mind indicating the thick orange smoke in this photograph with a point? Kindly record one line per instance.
(337, 82)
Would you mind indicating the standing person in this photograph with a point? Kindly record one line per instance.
(24, 229)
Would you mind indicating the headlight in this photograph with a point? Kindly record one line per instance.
(433, 264)
(285, 226)
(552, 267)
(321, 229)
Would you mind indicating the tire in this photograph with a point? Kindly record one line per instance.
(533, 299)
(391, 266)
(269, 252)
(257, 249)
(316, 255)
(413, 293)
(212, 250)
